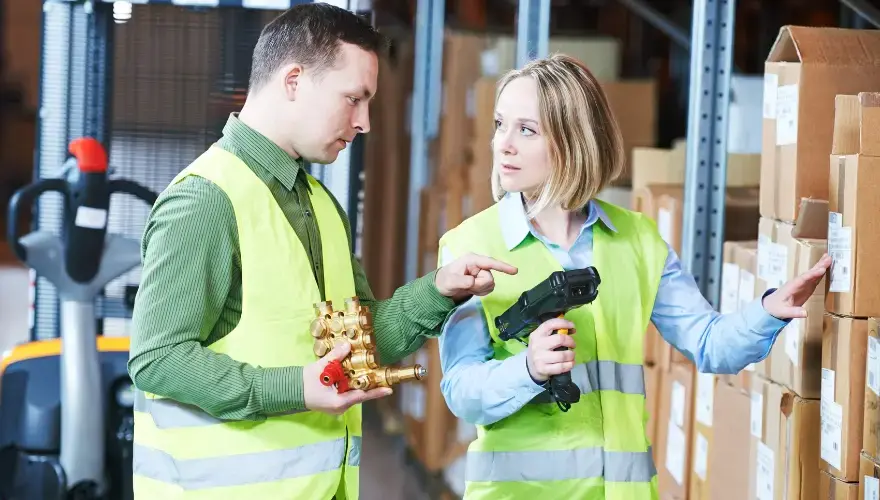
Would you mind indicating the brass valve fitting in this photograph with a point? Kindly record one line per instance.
(354, 324)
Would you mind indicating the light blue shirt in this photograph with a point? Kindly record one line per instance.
(481, 390)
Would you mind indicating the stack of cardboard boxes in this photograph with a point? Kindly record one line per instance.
(809, 409)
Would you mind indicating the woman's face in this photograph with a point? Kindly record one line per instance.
(520, 153)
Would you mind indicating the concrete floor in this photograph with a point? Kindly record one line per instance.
(384, 470)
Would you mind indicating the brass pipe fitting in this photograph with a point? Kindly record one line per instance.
(354, 324)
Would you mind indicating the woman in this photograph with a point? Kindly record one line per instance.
(556, 145)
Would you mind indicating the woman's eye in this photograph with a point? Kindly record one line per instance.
(354, 100)
(527, 131)
(497, 123)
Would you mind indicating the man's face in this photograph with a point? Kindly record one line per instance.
(334, 104)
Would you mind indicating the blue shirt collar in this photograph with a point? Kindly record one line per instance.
(515, 227)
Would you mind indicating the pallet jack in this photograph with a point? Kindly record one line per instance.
(66, 421)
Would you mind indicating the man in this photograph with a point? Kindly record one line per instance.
(237, 251)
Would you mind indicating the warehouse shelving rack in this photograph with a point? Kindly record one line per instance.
(711, 47)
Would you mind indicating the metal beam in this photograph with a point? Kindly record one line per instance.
(532, 30)
(657, 19)
(706, 176)
(425, 113)
(864, 9)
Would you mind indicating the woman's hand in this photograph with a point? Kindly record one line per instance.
(788, 300)
(541, 359)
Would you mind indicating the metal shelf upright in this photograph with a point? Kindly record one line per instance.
(425, 116)
(706, 170)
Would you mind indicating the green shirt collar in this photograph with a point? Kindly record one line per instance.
(268, 155)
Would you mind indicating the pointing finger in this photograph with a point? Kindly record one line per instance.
(488, 263)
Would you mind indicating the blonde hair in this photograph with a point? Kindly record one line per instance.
(584, 141)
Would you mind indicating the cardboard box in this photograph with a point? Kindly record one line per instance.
(674, 431)
(741, 213)
(728, 471)
(806, 68)
(798, 363)
(634, 105)
(667, 166)
(744, 115)
(871, 429)
(869, 483)
(461, 71)
(797, 446)
(844, 360)
(831, 488)
(646, 199)
(853, 234)
(599, 53)
(703, 435)
(785, 445)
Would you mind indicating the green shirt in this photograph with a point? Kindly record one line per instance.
(190, 294)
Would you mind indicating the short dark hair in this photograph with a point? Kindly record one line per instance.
(310, 34)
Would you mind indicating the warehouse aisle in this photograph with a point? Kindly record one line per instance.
(385, 473)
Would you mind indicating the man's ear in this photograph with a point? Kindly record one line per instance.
(292, 77)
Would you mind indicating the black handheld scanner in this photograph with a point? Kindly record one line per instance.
(561, 292)
(86, 190)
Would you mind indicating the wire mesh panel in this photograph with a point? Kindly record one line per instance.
(178, 73)
(175, 75)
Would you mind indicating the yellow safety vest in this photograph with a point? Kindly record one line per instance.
(181, 452)
(598, 449)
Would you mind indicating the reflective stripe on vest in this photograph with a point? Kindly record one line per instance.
(560, 465)
(171, 414)
(603, 375)
(238, 470)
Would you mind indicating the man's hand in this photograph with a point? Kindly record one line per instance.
(541, 359)
(319, 397)
(468, 275)
(787, 301)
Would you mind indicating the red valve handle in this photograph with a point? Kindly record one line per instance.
(333, 374)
